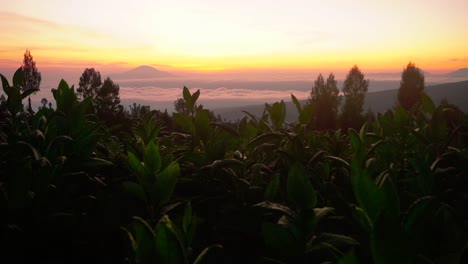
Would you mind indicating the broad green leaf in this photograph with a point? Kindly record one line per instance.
(367, 193)
(195, 96)
(135, 190)
(190, 103)
(169, 247)
(144, 240)
(187, 219)
(277, 112)
(186, 94)
(165, 184)
(427, 103)
(5, 85)
(203, 257)
(272, 188)
(152, 158)
(389, 242)
(18, 78)
(136, 166)
(299, 189)
(296, 103)
(354, 140)
(202, 124)
(362, 218)
(279, 238)
(306, 114)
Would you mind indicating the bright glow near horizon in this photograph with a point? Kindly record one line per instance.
(238, 35)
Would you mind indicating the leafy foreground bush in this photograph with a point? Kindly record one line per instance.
(192, 189)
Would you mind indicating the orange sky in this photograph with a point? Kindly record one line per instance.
(219, 35)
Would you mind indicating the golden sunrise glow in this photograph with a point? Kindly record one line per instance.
(228, 35)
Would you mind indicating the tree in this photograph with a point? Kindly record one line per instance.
(354, 89)
(325, 98)
(90, 81)
(44, 102)
(411, 86)
(107, 97)
(181, 107)
(32, 78)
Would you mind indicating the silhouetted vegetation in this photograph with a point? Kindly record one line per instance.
(411, 86)
(324, 97)
(88, 182)
(354, 90)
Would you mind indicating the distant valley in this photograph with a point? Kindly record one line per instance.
(456, 93)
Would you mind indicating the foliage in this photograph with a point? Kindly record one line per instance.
(189, 188)
(411, 86)
(32, 77)
(354, 90)
(107, 97)
(324, 97)
(90, 81)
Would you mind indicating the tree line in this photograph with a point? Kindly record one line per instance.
(324, 102)
(325, 98)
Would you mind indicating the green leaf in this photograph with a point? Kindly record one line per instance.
(195, 96)
(277, 112)
(144, 240)
(189, 100)
(296, 103)
(169, 247)
(362, 218)
(187, 219)
(427, 103)
(18, 78)
(306, 115)
(203, 256)
(279, 238)
(272, 188)
(152, 158)
(299, 189)
(367, 193)
(322, 212)
(277, 207)
(334, 240)
(5, 85)
(137, 167)
(165, 184)
(135, 190)
(348, 259)
(389, 243)
(354, 140)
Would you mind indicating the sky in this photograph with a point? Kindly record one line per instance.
(251, 35)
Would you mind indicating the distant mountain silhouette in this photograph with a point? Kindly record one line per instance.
(460, 73)
(143, 72)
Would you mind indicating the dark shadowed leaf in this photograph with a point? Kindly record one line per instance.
(152, 158)
(299, 189)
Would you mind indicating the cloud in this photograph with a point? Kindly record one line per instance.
(157, 94)
(9, 16)
(459, 59)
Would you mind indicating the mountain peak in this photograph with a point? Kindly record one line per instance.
(144, 72)
(462, 72)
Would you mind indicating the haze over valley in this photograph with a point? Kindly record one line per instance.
(146, 85)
